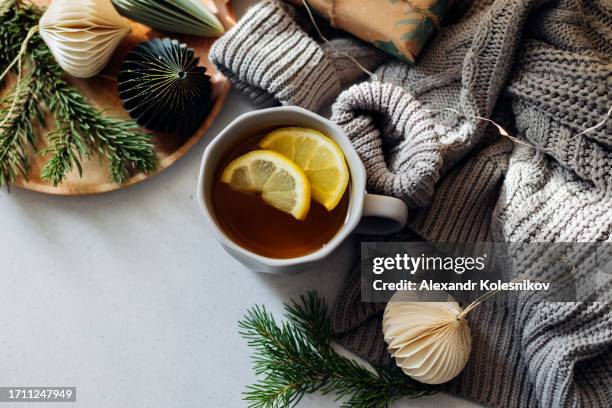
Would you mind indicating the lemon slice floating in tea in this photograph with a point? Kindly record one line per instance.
(280, 182)
(319, 157)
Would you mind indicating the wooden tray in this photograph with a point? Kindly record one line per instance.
(102, 92)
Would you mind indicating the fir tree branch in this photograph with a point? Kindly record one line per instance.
(81, 129)
(296, 358)
(18, 134)
(15, 22)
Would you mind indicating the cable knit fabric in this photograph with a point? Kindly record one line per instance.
(540, 68)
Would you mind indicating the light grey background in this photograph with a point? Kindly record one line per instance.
(128, 297)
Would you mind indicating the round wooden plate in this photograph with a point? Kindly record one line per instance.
(102, 92)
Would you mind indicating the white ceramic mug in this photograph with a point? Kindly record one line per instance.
(372, 214)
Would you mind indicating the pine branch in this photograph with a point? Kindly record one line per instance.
(81, 129)
(16, 19)
(296, 358)
(18, 134)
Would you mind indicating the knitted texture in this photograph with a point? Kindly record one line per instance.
(541, 68)
(270, 58)
(408, 165)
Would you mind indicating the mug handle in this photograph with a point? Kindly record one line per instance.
(382, 215)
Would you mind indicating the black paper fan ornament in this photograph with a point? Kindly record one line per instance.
(163, 88)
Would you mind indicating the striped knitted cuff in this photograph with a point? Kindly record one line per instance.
(395, 139)
(269, 57)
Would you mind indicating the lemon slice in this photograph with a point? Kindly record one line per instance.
(281, 183)
(319, 157)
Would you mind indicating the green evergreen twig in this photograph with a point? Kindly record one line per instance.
(295, 358)
(18, 135)
(81, 130)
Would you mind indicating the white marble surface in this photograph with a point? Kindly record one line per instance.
(128, 297)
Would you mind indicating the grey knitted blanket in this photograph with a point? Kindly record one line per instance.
(542, 68)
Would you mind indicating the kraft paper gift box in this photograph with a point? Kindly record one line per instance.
(399, 27)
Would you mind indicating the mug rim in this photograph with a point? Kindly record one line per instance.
(356, 202)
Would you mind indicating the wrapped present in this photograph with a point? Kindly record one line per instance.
(399, 27)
